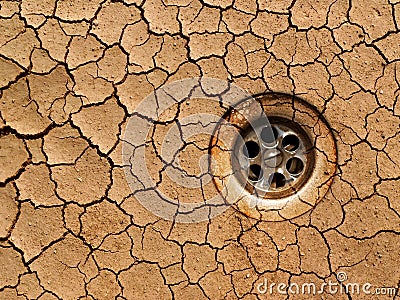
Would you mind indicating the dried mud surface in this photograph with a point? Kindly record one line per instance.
(72, 71)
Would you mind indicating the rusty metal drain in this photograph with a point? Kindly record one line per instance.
(282, 161)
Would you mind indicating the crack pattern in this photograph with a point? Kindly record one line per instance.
(72, 72)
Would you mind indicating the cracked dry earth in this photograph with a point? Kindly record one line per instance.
(73, 71)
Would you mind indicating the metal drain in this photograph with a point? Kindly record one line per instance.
(277, 158)
(281, 162)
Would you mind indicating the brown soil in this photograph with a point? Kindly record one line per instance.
(71, 72)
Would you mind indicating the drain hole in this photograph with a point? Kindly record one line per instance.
(251, 149)
(290, 142)
(269, 134)
(255, 173)
(277, 180)
(295, 166)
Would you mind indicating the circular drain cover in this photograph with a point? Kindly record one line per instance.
(281, 161)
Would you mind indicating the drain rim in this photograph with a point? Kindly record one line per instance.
(312, 191)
